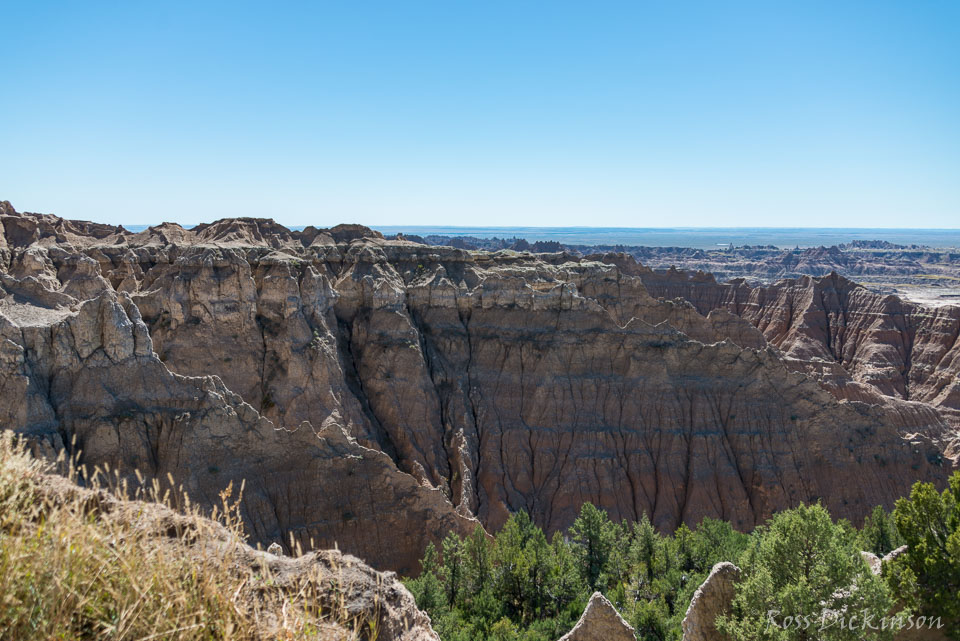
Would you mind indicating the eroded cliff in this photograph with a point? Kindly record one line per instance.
(840, 330)
(375, 394)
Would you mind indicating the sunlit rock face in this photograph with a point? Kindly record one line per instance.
(375, 394)
(600, 621)
(860, 344)
(712, 599)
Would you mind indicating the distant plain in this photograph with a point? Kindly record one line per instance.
(697, 237)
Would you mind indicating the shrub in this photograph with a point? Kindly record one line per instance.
(927, 576)
(800, 568)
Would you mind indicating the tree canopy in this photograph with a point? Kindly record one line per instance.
(803, 576)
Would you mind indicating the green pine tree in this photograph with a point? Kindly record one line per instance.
(801, 573)
(593, 532)
(927, 576)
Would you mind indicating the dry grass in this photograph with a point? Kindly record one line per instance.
(81, 564)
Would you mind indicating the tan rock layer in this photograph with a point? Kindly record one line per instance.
(600, 621)
(90, 381)
(379, 393)
(900, 349)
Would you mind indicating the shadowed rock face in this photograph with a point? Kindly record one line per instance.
(376, 394)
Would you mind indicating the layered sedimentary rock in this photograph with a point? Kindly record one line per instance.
(89, 382)
(925, 274)
(377, 393)
(876, 262)
(600, 621)
(882, 343)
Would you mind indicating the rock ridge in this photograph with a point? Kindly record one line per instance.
(378, 393)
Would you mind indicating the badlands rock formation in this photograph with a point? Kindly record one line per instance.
(877, 262)
(712, 599)
(841, 332)
(376, 394)
(600, 621)
(920, 272)
(908, 268)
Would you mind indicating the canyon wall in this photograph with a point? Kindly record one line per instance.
(900, 349)
(374, 394)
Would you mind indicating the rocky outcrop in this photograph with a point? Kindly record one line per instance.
(89, 382)
(890, 556)
(378, 393)
(345, 590)
(885, 264)
(600, 621)
(881, 344)
(872, 560)
(713, 598)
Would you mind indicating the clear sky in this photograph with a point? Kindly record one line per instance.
(501, 113)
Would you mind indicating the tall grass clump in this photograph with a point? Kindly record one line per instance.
(78, 563)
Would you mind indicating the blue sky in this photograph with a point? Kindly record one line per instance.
(502, 113)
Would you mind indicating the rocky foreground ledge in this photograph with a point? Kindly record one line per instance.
(375, 394)
(108, 565)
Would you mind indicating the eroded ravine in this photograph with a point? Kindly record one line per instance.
(374, 394)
